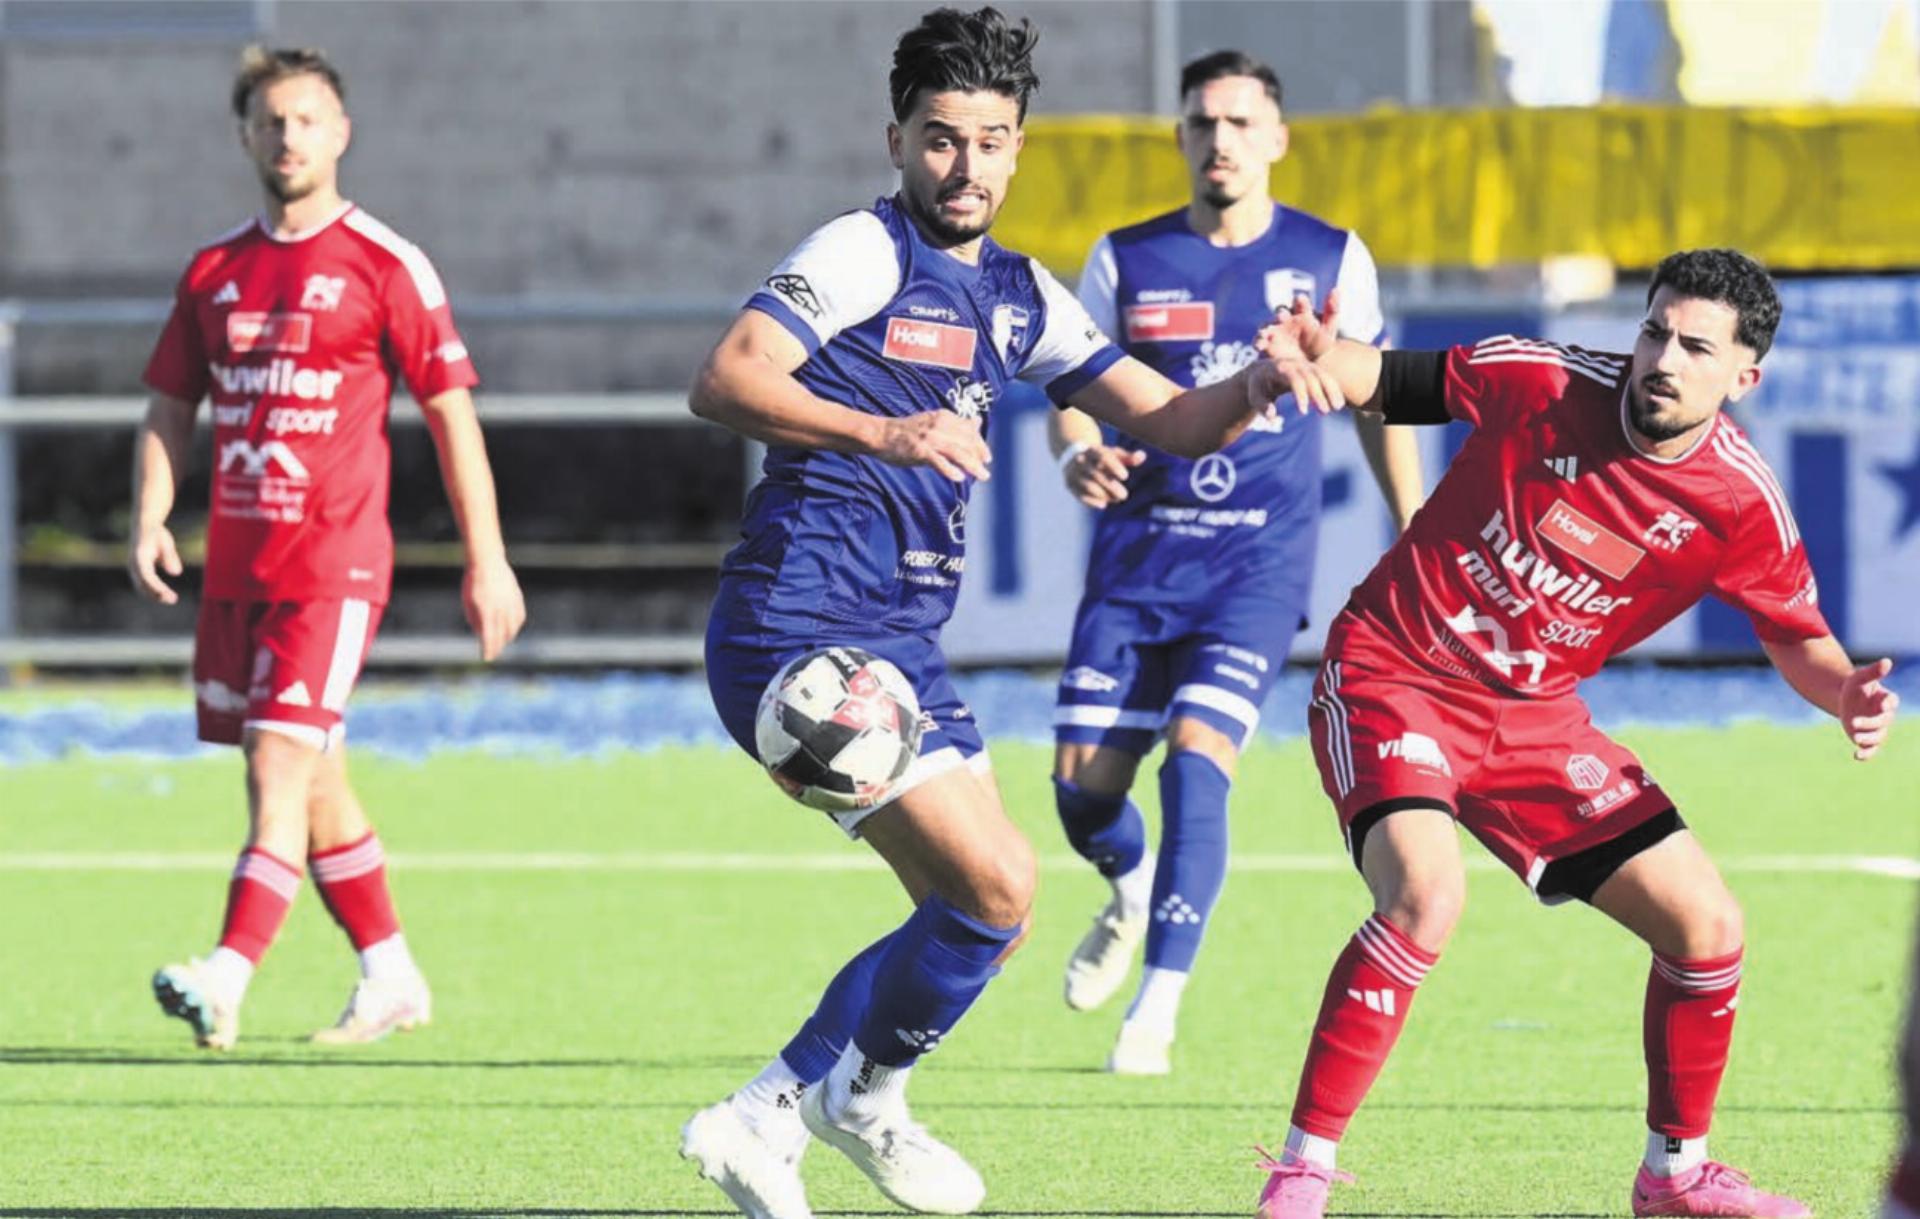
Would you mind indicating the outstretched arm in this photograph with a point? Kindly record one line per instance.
(1195, 422)
(747, 386)
(1819, 670)
(1095, 471)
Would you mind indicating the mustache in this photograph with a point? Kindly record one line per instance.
(1659, 385)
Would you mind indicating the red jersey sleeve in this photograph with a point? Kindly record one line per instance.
(1765, 573)
(1499, 380)
(420, 337)
(178, 366)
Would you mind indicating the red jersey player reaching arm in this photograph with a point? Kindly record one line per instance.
(295, 326)
(1599, 497)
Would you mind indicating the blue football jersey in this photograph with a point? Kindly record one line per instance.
(893, 326)
(1243, 520)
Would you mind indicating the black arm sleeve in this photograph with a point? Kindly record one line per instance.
(1412, 387)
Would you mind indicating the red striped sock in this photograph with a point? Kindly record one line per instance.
(1688, 1029)
(353, 883)
(258, 898)
(1366, 1004)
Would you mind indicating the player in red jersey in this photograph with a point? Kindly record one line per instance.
(1599, 496)
(296, 325)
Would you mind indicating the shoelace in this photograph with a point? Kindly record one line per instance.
(1270, 1163)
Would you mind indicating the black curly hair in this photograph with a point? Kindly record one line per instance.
(977, 52)
(1730, 278)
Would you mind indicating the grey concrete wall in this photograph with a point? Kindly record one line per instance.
(648, 148)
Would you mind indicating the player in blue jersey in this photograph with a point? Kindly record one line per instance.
(869, 362)
(1200, 570)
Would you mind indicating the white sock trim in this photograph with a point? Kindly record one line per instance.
(1135, 888)
(862, 1089)
(228, 972)
(390, 958)
(1312, 1148)
(1669, 1157)
(1157, 1004)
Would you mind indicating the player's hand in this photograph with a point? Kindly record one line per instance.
(1867, 707)
(1297, 332)
(941, 439)
(1312, 387)
(152, 552)
(1097, 474)
(496, 611)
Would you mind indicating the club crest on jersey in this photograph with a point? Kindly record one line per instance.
(1670, 532)
(323, 292)
(251, 332)
(1585, 538)
(1586, 772)
(970, 399)
(1216, 362)
(915, 341)
(1009, 330)
(1288, 282)
(1172, 322)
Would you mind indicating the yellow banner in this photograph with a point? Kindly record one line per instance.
(1800, 189)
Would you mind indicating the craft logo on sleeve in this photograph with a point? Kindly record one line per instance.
(1584, 538)
(922, 342)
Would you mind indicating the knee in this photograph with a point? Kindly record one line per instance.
(1427, 909)
(1190, 735)
(1003, 893)
(1018, 941)
(1714, 929)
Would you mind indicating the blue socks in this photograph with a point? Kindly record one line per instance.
(933, 968)
(1192, 863)
(816, 1047)
(1107, 831)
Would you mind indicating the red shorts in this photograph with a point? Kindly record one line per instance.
(286, 666)
(1533, 780)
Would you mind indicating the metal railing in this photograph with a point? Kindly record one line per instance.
(92, 411)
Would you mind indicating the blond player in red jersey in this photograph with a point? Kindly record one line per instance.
(1599, 497)
(295, 326)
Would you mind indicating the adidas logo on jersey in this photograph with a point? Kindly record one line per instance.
(1086, 677)
(228, 295)
(1375, 1000)
(294, 696)
(1566, 467)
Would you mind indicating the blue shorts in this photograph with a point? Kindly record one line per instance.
(741, 661)
(1132, 668)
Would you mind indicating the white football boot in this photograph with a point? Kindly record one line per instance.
(1141, 1050)
(899, 1156)
(187, 991)
(377, 1007)
(760, 1178)
(1099, 965)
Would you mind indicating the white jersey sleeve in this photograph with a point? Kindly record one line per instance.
(1100, 287)
(842, 274)
(1070, 351)
(1361, 318)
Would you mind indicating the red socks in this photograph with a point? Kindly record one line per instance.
(1366, 1004)
(258, 898)
(353, 883)
(1688, 1028)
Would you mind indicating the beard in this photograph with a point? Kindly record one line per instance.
(288, 190)
(1655, 423)
(938, 227)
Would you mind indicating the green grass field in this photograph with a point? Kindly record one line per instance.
(587, 1006)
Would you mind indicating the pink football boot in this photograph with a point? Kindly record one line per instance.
(1295, 1189)
(1711, 1189)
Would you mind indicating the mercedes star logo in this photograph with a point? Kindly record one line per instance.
(1213, 478)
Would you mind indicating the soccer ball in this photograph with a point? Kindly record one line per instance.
(837, 727)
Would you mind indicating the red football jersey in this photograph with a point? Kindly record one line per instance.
(1552, 543)
(297, 342)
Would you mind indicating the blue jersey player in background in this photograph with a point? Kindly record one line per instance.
(869, 362)
(1200, 570)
